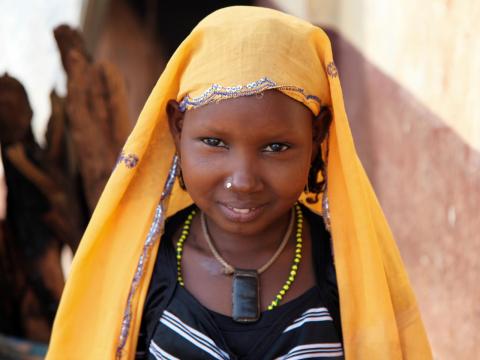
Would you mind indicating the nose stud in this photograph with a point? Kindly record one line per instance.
(228, 183)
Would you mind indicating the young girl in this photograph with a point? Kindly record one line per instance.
(212, 239)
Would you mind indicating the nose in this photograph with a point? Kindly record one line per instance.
(245, 175)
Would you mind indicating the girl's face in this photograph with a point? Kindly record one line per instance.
(262, 145)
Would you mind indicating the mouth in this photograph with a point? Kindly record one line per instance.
(241, 210)
(241, 213)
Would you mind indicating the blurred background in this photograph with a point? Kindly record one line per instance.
(74, 75)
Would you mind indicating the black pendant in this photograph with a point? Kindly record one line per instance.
(245, 296)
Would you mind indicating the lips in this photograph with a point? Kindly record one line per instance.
(241, 212)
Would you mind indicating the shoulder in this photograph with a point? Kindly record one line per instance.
(163, 279)
(315, 220)
(321, 239)
(174, 223)
(324, 264)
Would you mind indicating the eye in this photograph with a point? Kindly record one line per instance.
(276, 147)
(214, 142)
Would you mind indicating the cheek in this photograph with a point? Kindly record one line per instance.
(290, 177)
(200, 172)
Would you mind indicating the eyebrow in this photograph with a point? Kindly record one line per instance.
(276, 134)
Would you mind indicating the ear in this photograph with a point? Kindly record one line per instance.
(320, 125)
(175, 122)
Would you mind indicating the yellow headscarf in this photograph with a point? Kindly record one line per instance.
(233, 52)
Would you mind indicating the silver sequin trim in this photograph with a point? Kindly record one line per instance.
(216, 93)
(153, 234)
(326, 211)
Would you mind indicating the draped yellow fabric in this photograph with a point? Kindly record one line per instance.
(233, 52)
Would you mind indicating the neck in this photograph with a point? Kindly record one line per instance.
(248, 251)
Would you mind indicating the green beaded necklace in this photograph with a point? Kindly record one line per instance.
(293, 269)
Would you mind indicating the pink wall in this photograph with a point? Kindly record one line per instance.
(428, 182)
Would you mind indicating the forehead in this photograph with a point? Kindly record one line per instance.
(269, 111)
